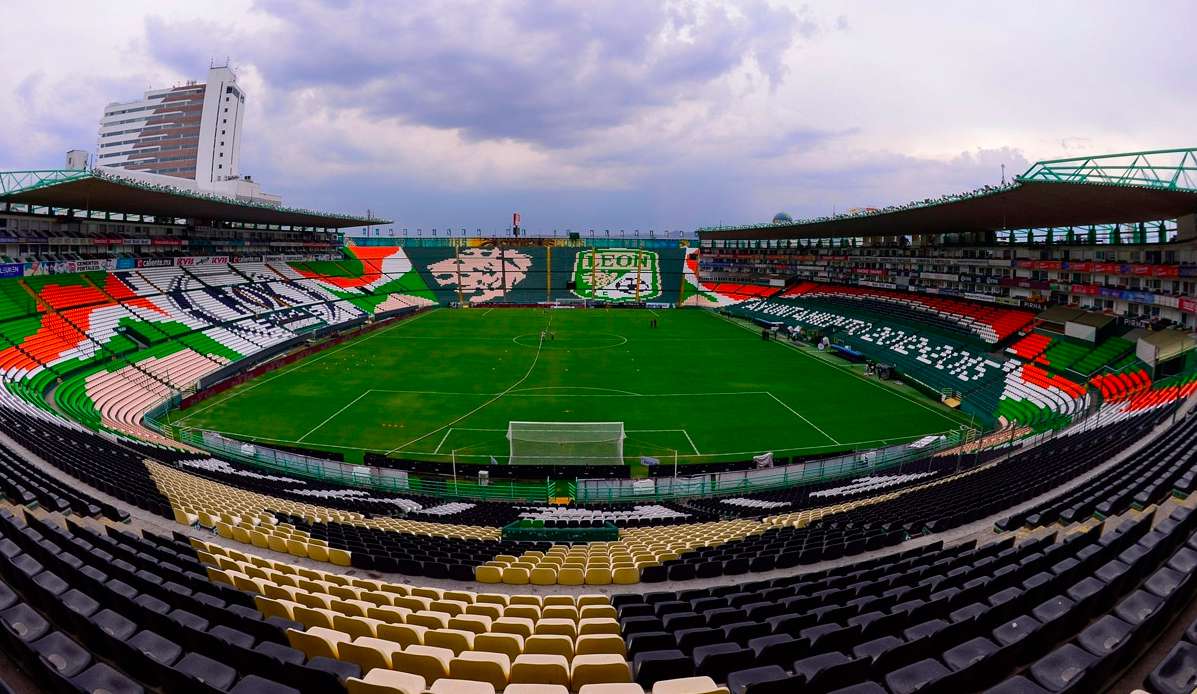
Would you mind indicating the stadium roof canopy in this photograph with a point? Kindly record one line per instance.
(103, 192)
(1107, 189)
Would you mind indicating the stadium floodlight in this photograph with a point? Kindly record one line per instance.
(565, 443)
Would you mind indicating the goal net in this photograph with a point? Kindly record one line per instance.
(565, 443)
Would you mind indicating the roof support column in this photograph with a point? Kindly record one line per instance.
(1186, 228)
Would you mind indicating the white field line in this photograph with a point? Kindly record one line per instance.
(296, 367)
(509, 388)
(522, 393)
(691, 442)
(447, 432)
(334, 414)
(610, 390)
(848, 371)
(799, 416)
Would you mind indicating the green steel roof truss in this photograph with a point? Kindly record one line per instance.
(1165, 169)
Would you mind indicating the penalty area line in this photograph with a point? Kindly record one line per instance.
(799, 416)
(334, 414)
(437, 450)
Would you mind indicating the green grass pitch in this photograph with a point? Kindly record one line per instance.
(448, 381)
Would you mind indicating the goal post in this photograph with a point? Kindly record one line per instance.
(565, 443)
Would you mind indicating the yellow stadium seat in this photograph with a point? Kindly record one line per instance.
(380, 681)
(598, 625)
(525, 599)
(455, 640)
(510, 645)
(449, 607)
(477, 624)
(270, 607)
(523, 611)
(625, 575)
(426, 661)
(483, 666)
(357, 626)
(429, 619)
(611, 689)
(566, 627)
(378, 598)
(403, 634)
(317, 641)
(597, 611)
(281, 592)
(387, 613)
(540, 669)
(297, 548)
(689, 685)
(536, 689)
(492, 599)
(412, 602)
(351, 607)
(550, 644)
(490, 610)
(427, 592)
(593, 644)
(514, 625)
(456, 686)
(465, 596)
(598, 576)
(543, 576)
(369, 652)
(516, 576)
(569, 612)
(345, 592)
(571, 576)
(315, 616)
(599, 669)
(340, 557)
(308, 599)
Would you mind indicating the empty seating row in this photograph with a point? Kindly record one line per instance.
(991, 323)
(1167, 465)
(943, 620)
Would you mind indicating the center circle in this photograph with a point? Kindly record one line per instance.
(589, 341)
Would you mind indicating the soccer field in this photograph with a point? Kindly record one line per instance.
(447, 382)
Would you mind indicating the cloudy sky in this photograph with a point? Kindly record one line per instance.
(618, 113)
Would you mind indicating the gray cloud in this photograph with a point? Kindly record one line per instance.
(548, 72)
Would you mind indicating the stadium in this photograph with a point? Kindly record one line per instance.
(874, 436)
(940, 447)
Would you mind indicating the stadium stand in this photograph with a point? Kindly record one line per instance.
(992, 324)
(992, 389)
(1047, 553)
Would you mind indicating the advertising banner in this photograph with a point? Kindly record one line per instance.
(194, 260)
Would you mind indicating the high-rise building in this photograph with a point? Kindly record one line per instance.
(191, 131)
